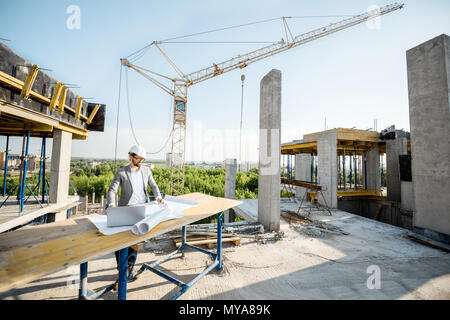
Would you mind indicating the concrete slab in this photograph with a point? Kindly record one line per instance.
(299, 266)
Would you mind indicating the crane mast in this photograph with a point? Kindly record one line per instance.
(184, 81)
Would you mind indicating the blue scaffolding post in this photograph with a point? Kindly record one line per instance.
(24, 177)
(356, 170)
(5, 171)
(44, 184)
(339, 170)
(351, 172)
(343, 169)
(41, 179)
(288, 166)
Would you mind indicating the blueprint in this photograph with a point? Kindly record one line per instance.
(154, 214)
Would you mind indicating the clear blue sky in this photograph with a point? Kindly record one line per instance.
(351, 77)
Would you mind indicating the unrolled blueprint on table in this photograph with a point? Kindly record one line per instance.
(154, 214)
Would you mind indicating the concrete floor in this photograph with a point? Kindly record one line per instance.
(307, 263)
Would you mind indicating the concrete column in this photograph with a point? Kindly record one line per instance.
(230, 186)
(93, 197)
(86, 204)
(60, 166)
(327, 168)
(269, 151)
(102, 203)
(302, 172)
(429, 115)
(394, 148)
(373, 170)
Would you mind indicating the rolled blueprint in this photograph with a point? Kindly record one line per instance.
(145, 225)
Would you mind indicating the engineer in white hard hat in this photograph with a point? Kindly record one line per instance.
(133, 180)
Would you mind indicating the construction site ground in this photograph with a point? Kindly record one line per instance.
(328, 257)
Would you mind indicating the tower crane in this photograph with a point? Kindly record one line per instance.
(179, 91)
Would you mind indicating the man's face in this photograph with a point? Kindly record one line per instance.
(136, 160)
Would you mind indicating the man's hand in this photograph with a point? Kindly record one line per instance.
(161, 201)
(112, 205)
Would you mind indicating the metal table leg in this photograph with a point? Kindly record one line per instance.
(123, 263)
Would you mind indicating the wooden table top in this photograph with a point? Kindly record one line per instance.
(32, 252)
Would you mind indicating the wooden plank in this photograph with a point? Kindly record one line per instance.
(211, 242)
(345, 134)
(300, 183)
(26, 255)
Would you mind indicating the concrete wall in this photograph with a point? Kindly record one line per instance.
(327, 168)
(429, 114)
(302, 172)
(269, 151)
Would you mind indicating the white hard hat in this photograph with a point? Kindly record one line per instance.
(138, 150)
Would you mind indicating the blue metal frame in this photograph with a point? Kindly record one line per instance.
(6, 166)
(85, 294)
(343, 169)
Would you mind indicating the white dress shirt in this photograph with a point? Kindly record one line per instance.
(138, 185)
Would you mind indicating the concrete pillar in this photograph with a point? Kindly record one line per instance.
(102, 203)
(93, 197)
(86, 204)
(429, 115)
(269, 151)
(373, 170)
(60, 166)
(327, 168)
(230, 186)
(302, 172)
(394, 148)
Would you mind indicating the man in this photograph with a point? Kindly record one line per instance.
(133, 180)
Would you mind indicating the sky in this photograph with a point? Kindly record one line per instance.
(345, 80)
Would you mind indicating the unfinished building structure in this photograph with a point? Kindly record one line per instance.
(33, 104)
(412, 188)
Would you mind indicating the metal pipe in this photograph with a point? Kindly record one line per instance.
(5, 171)
(44, 185)
(343, 168)
(24, 180)
(219, 240)
(351, 172)
(123, 262)
(82, 291)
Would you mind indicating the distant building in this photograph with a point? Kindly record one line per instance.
(93, 164)
(247, 166)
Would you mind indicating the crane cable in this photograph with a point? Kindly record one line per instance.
(131, 122)
(139, 53)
